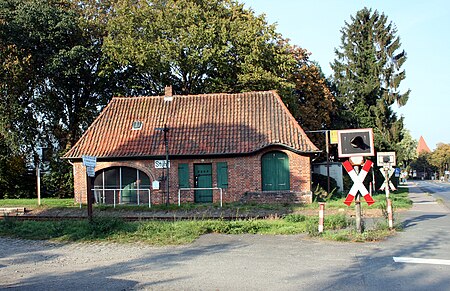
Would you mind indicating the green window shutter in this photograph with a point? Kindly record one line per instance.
(183, 176)
(222, 175)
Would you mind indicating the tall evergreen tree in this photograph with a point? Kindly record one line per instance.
(367, 76)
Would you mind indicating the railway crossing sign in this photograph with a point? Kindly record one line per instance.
(358, 185)
(386, 159)
(387, 174)
(355, 142)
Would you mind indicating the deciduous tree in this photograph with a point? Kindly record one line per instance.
(440, 158)
(197, 46)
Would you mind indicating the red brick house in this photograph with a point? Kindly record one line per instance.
(247, 144)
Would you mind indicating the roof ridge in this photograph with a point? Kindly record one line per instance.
(194, 95)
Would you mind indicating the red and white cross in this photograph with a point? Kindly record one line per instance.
(358, 182)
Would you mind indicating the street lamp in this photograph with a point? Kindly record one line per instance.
(165, 129)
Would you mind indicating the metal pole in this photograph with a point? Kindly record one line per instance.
(358, 219)
(328, 161)
(149, 199)
(89, 196)
(386, 181)
(167, 163)
(390, 216)
(328, 153)
(38, 174)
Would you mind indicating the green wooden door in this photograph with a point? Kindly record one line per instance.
(203, 179)
(275, 171)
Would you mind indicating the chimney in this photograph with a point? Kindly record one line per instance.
(168, 95)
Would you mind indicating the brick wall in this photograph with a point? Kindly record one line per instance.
(244, 175)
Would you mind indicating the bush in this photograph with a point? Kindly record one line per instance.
(295, 218)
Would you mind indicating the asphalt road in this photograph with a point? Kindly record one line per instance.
(245, 262)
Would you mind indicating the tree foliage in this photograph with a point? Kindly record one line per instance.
(367, 77)
(407, 149)
(53, 83)
(311, 102)
(440, 158)
(62, 61)
(197, 46)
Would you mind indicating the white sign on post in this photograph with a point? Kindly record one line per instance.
(89, 161)
(386, 159)
(90, 171)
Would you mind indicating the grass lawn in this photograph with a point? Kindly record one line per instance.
(169, 233)
(337, 227)
(33, 202)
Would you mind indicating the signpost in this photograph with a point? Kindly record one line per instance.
(356, 144)
(387, 161)
(358, 180)
(89, 162)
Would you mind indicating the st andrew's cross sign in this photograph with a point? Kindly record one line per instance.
(358, 185)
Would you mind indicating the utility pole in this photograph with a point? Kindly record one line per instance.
(165, 129)
(327, 145)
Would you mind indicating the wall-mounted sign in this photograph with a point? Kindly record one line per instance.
(155, 185)
(161, 164)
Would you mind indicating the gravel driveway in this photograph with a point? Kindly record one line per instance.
(214, 262)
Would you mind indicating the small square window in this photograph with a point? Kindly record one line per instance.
(137, 125)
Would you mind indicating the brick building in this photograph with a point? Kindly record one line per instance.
(247, 144)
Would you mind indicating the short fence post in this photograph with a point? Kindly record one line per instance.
(321, 215)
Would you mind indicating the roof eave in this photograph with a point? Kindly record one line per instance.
(150, 157)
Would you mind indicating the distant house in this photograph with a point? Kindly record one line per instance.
(247, 144)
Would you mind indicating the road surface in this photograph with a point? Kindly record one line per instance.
(416, 259)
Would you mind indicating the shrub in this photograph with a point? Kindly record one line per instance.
(295, 218)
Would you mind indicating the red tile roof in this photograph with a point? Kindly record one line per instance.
(210, 124)
(422, 146)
